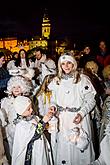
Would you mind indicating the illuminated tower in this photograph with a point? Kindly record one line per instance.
(46, 26)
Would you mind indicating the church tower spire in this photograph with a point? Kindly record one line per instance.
(46, 26)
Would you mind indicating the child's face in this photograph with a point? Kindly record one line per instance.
(67, 66)
(28, 111)
(16, 90)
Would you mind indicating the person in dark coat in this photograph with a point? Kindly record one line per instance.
(103, 55)
(85, 56)
(4, 76)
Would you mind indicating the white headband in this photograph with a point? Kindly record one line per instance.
(70, 58)
(21, 103)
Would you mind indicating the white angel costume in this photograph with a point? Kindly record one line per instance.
(104, 158)
(8, 108)
(29, 141)
(71, 98)
(38, 62)
(46, 67)
(41, 152)
(11, 65)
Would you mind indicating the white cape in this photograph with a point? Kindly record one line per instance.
(41, 153)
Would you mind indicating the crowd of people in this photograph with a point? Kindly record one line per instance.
(55, 113)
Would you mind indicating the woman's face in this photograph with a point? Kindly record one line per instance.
(28, 111)
(22, 54)
(16, 90)
(87, 50)
(67, 67)
(102, 45)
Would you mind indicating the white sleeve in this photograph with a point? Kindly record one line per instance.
(4, 104)
(3, 111)
(31, 64)
(88, 95)
(51, 64)
(11, 65)
(2, 118)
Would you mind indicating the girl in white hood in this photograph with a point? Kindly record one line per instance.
(73, 96)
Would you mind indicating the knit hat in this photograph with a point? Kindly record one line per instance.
(21, 103)
(67, 57)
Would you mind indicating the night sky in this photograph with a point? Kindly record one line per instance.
(80, 19)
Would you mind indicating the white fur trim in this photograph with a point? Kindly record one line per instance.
(21, 81)
(30, 73)
(21, 103)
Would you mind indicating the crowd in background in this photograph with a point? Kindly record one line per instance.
(55, 110)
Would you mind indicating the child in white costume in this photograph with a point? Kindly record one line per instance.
(30, 144)
(17, 85)
(73, 98)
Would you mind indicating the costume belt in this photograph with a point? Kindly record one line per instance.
(60, 108)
